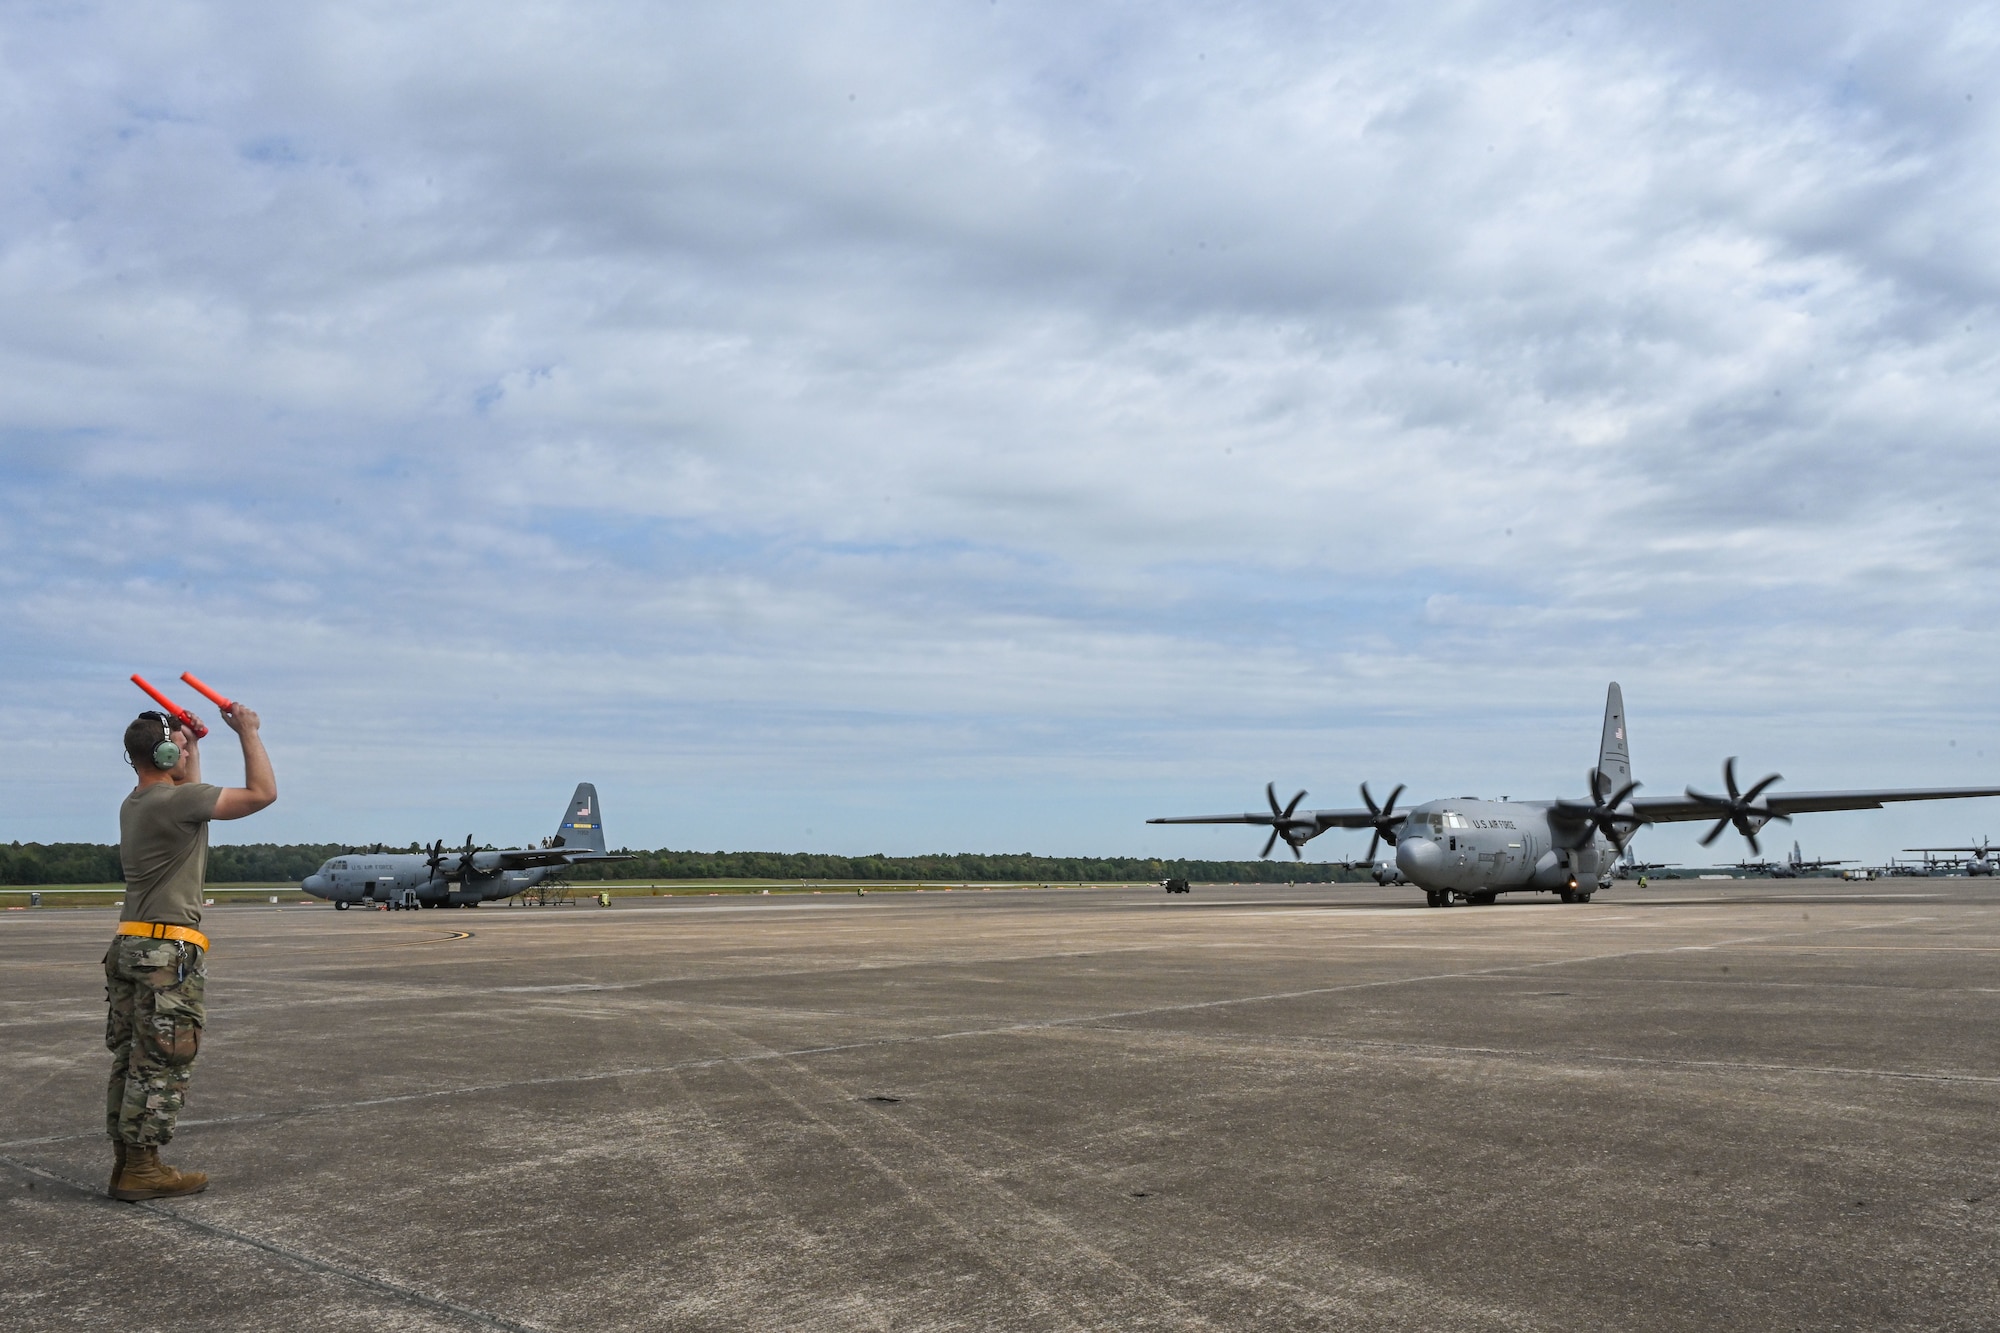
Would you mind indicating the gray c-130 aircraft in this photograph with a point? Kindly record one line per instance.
(1469, 850)
(465, 876)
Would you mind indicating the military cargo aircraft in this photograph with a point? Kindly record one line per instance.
(1980, 860)
(465, 876)
(1629, 867)
(1790, 868)
(1471, 851)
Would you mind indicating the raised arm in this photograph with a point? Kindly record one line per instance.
(260, 785)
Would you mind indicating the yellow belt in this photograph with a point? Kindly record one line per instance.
(154, 930)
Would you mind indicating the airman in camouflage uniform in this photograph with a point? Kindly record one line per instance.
(157, 966)
(154, 1031)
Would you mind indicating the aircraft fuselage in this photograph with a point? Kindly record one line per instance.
(1470, 848)
(401, 879)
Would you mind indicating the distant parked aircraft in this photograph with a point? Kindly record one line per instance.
(1628, 868)
(1790, 868)
(1981, 860)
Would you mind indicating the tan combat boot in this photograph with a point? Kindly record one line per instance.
(146, 1177)
(117, 1164)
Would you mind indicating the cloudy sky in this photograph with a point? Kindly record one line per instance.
(982, 425)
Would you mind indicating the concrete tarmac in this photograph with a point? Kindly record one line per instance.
(1757, 1105)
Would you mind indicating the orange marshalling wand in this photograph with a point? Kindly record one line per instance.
(172, 709)
(206, 692)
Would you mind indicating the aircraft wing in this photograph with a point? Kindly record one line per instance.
(522, 858)
(1326, 819)
(1680, 809)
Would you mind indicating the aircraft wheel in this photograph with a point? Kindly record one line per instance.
(340, 906)
(1583, 897)
(1481, 899)
(1569, 895)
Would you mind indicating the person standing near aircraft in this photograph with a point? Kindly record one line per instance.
(156, 969)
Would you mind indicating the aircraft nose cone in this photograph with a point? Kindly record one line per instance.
(314, 884)
(1418, 858)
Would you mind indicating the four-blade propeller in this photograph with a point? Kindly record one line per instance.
(1739, 808)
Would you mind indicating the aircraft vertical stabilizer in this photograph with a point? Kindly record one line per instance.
(583, 826)
(1614, 756)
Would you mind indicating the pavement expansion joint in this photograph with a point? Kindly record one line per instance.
(332, 1268)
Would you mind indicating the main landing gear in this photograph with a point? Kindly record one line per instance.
(1446, 898)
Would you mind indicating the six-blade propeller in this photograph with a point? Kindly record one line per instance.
(1739, 808)
(1385, 821)
(1604, 815)
(1293, 831)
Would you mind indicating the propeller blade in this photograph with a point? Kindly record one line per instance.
(1271, 795)
(1715, 832)
(1755, 791)
(1374, 842)
(1389, 806)
(1270, 842)
(1293, 804)
(1297, 855)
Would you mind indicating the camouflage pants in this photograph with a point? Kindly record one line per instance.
(153, 988)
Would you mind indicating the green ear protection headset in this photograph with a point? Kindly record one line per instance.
(166, 754)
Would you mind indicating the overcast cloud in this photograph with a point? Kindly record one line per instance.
(983, 425)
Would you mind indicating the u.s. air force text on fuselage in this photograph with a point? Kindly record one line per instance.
(1470, 850)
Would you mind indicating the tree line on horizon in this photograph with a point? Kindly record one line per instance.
(264, 863)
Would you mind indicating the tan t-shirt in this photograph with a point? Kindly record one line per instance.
(163, 841)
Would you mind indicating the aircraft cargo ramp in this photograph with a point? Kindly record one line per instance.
(1697, 1106)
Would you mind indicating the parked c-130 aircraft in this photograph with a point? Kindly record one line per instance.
(1469, 850)
(467, 876)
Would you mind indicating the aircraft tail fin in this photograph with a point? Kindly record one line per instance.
(583, 825)
(1614, 755)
